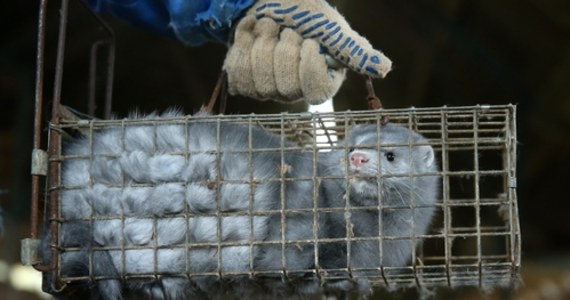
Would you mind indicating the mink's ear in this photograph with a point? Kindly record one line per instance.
(427, 155)
(355, 128)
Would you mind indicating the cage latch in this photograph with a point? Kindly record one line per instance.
(513, 182)
(30, 252)
(39, 162)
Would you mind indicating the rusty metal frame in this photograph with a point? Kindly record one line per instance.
(108, 42)
(54, 135)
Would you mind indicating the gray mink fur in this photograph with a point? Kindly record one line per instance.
(138, 188)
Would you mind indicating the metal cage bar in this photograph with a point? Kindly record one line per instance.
(41, 166)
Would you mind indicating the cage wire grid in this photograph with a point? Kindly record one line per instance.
(474, 239)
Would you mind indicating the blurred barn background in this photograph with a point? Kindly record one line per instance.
(452, 52)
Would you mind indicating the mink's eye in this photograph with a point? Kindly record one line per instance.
(351, 149)
(390, 156)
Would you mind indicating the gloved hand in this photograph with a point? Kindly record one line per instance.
(266, 63)
(280, 52)
(281, 62)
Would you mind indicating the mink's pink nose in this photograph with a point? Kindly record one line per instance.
(359, 159)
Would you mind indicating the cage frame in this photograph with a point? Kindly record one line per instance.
(41, 167)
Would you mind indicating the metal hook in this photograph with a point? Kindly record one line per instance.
(374, 102)
(220, 91)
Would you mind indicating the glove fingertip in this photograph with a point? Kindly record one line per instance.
(266, 27)
(246, 24)
(289, 36)
(377, 66)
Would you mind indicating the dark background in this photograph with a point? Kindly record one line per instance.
(454, 52)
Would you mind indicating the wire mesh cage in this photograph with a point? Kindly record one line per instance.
(139, 190)
(289, 202)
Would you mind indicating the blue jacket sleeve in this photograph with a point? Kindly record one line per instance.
(194, 22)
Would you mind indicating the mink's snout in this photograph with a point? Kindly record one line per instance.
(359, 159)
